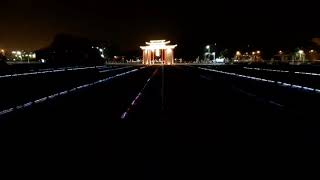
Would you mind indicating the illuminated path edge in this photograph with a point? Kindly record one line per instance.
(280, 83)
(53, 96)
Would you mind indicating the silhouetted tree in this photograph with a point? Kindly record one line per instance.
(225, 53)
(3, 64)
(71, 50)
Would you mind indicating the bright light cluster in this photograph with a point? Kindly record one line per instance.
(22, 55)
(101, 51)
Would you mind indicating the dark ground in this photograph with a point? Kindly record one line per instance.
(188, 123)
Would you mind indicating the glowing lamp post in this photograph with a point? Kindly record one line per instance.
(214, 56)
(300, 55)
(207, 54)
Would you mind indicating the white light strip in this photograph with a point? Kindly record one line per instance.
(273, 70)
(307, 73)
(45, 71)
(108, 70)
(81, 68)
(41, 100)
(266, 80)
(133, 103)
(6, 111)
(270, 70)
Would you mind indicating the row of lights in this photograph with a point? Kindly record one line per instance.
(21, 54)
(238, 53)
(300, 51)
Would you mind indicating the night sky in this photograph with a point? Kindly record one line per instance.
(32, 24)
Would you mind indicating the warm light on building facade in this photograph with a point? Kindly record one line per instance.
(158, 51)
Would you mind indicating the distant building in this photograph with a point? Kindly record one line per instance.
(313, 55)
(158, 51)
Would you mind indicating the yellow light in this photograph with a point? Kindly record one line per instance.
(157, 44)
(253, 53)
(300, 52)
(157, 52)
(311, 51)
(258, 52)
(157, 41)
(238, 53)
(280, 52)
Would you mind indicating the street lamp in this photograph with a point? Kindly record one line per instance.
(238, 54)
(207, 53)
(300, 54)
(214, 56)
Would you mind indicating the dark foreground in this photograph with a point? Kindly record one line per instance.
(184, 122)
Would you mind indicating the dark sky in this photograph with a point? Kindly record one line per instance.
(32, 24)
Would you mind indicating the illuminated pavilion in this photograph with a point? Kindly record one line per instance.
(158, 51)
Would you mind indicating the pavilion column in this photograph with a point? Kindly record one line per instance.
(152, 56)
(145, 56)
(148, 56)
(169, 56)
(146, 60)
(164, 55)
(172, 60)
